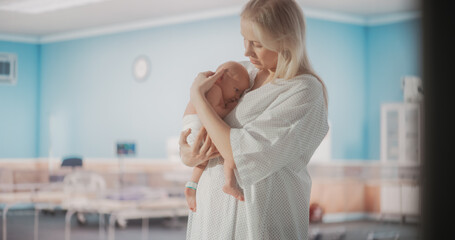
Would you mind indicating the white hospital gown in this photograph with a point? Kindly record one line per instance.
(274, 131)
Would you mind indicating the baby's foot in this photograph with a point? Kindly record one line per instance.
(231, 188)
(190, 195)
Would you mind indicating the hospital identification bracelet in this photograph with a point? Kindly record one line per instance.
(191, 185)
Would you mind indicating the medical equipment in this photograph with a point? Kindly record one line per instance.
(8, 68)
(412, 89)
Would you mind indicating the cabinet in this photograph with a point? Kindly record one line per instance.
(390, 199)
(401, 136)
(401, 198)
(410, 201)
(401, 133)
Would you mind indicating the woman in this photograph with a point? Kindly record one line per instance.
(269, 137)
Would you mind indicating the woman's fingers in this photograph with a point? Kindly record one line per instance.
(205, 147)
(203, 82)
(206, 151)
(212, 149)
(207, 79)
(183, 136)
(200, 136)
(208, 73)
(218, 74)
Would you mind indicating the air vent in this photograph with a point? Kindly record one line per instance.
(8, 68)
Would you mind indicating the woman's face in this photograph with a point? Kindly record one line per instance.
(260, 56)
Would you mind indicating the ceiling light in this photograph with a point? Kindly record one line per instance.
(42, 6)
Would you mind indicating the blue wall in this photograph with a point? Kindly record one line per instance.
(90, 94)
(337, 52)
(19, 105)
(90, 99)
(88, 86)
(393, 51)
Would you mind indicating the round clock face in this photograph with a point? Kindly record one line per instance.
(141, 68)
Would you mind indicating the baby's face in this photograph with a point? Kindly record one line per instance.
(233, 83)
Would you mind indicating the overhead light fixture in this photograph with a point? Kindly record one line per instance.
(42, 6)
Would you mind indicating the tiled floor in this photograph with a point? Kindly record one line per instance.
(51, 227)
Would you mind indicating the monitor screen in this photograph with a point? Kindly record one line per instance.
(126, 148)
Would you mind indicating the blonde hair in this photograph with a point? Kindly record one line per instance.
(280, 26)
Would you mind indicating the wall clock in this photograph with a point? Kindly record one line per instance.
(141, 68)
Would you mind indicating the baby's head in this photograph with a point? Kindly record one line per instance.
(234, 81)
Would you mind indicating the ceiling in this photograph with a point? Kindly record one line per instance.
(115, 12)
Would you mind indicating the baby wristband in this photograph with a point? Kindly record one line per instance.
(191, 185)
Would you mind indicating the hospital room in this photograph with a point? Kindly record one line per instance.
(94, 94)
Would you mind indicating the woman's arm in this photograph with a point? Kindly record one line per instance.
(218, 130)
(283, 136)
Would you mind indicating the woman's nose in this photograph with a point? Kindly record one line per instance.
(248, 51)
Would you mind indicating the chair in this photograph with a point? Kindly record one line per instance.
(72, 162)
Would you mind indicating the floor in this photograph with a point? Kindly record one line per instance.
(365, 230)
(51, 227)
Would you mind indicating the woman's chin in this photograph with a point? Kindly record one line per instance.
(257, 65)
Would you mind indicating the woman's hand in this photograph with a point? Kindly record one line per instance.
(203, 82)
(197, 154)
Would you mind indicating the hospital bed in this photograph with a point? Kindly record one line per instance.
(126, 210)
(74, 197)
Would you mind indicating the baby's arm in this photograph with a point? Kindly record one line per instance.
(197, 172)
(191, 188)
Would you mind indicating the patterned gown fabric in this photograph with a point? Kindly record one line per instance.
(274, 131)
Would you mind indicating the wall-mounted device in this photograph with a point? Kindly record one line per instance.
(126, 149)
(412, 89)
(8, 68)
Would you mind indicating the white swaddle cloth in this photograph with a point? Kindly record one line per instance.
(191, 121)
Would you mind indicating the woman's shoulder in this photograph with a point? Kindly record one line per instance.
(301, 88)
(303, 82)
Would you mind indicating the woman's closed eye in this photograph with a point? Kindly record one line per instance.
(257, 45)
(253, 43)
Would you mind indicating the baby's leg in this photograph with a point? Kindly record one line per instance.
(230, 186)
(190, 193)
